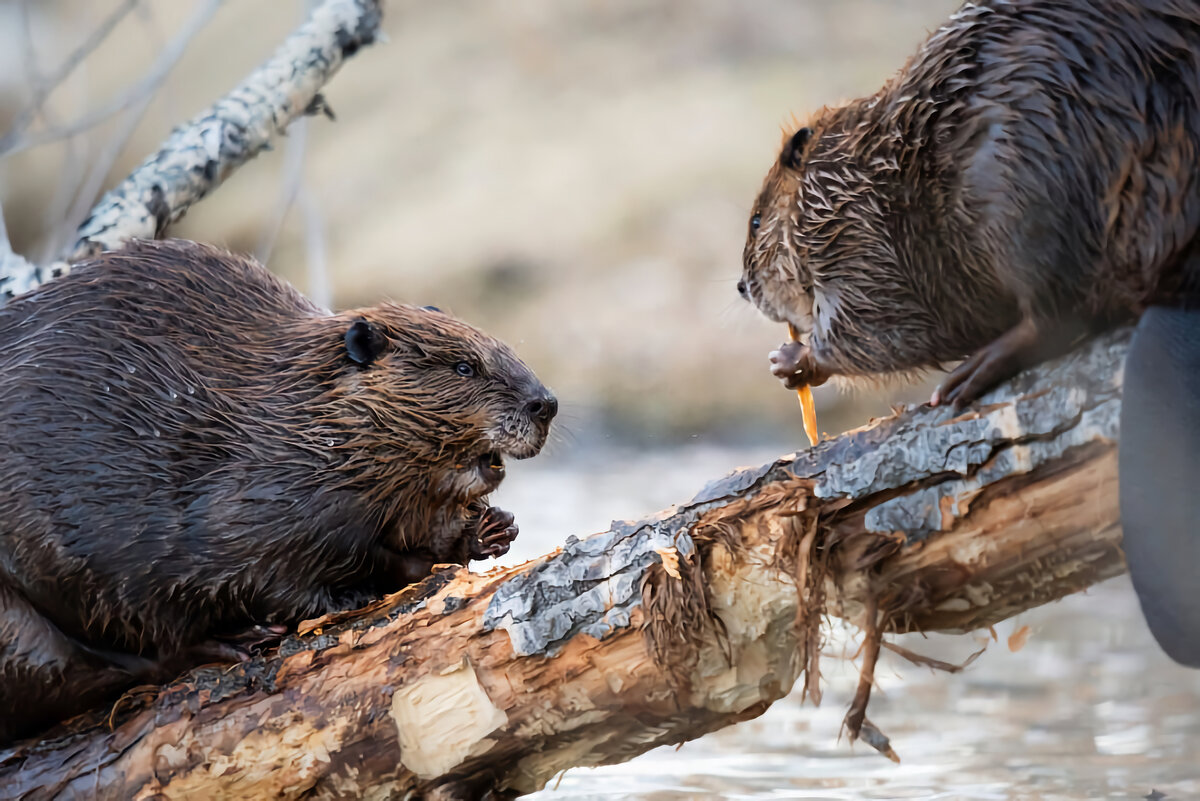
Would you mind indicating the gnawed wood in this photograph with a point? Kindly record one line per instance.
(654, 632)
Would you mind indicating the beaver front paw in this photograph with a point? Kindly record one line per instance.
(1023, 345)
(794, 364)
(493, 534)
(235, 646)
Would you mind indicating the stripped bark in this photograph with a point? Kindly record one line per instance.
(201, 154)
(654, 632)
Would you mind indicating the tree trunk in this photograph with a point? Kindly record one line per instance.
(654, 632)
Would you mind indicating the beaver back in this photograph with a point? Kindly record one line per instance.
(1033, 158)
(187, 445)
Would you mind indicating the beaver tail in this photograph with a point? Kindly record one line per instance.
(1160, 476)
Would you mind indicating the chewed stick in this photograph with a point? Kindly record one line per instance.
(808, 409)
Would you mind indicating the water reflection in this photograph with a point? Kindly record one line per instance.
(1088, 708)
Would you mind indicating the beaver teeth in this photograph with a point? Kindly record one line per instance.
(491, 467)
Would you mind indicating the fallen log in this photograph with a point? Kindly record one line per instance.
(654, 632)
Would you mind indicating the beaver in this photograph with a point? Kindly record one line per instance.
(1029, 178)
(190, 449)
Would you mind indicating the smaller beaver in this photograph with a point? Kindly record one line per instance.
(190, 450)
(1030, 177)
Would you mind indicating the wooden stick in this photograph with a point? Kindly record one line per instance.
(654, 632)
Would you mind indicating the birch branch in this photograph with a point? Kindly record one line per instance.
(652, 633)
(201, 154)
(134, 104)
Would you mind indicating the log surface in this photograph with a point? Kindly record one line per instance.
(651, 633)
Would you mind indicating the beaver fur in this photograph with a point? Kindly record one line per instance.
(1029, 176)
(191, 448)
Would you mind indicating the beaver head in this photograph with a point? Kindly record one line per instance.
(776, 276)
(443, 394)
(817, 233)
(857, 240)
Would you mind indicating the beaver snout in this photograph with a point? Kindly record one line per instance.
(526, 428)
(542, 409)
(532, 432)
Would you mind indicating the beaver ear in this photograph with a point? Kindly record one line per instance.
(793, 151)
(364, 342)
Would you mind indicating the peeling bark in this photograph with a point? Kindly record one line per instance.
(654, 632)
(200, 154)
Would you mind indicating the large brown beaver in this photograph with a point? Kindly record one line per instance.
(1032, 175)
(190, 448)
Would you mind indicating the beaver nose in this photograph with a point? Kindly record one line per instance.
(542, 409)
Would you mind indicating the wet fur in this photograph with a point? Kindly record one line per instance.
(186, 449)
(1034, 159)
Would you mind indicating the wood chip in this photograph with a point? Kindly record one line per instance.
(670, 560)
(1016, 640)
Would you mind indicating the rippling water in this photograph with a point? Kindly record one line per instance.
(1088, 708)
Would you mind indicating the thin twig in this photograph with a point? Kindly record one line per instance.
(134, 96)
(872, 638)
(201, 154)
(70, 176)
(43, 87)
(142, 96)
(929, 661)
(5, 245)
(10, 261)
(316, 251)
(293, 176)
(29, 59)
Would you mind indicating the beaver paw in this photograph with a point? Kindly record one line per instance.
(494, 535)
(235, 647)
(997, 361)
(794, 364)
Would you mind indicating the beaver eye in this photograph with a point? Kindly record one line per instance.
(755, 221)
(464, 369)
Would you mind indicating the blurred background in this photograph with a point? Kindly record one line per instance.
(575, 178)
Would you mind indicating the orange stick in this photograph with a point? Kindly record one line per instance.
(808, 409)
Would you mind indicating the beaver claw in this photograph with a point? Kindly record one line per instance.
(1017, 348)
(237, 647)
(793, 363)
(495, 534)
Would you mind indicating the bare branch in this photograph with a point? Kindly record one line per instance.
(44, 87)
(293, 177)
(139, 100)
(135, 98)
(10, 262)
(316, 251)
(198, 156)
(29, 58)
(201, 154)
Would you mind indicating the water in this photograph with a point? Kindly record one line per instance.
(1088, 708)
